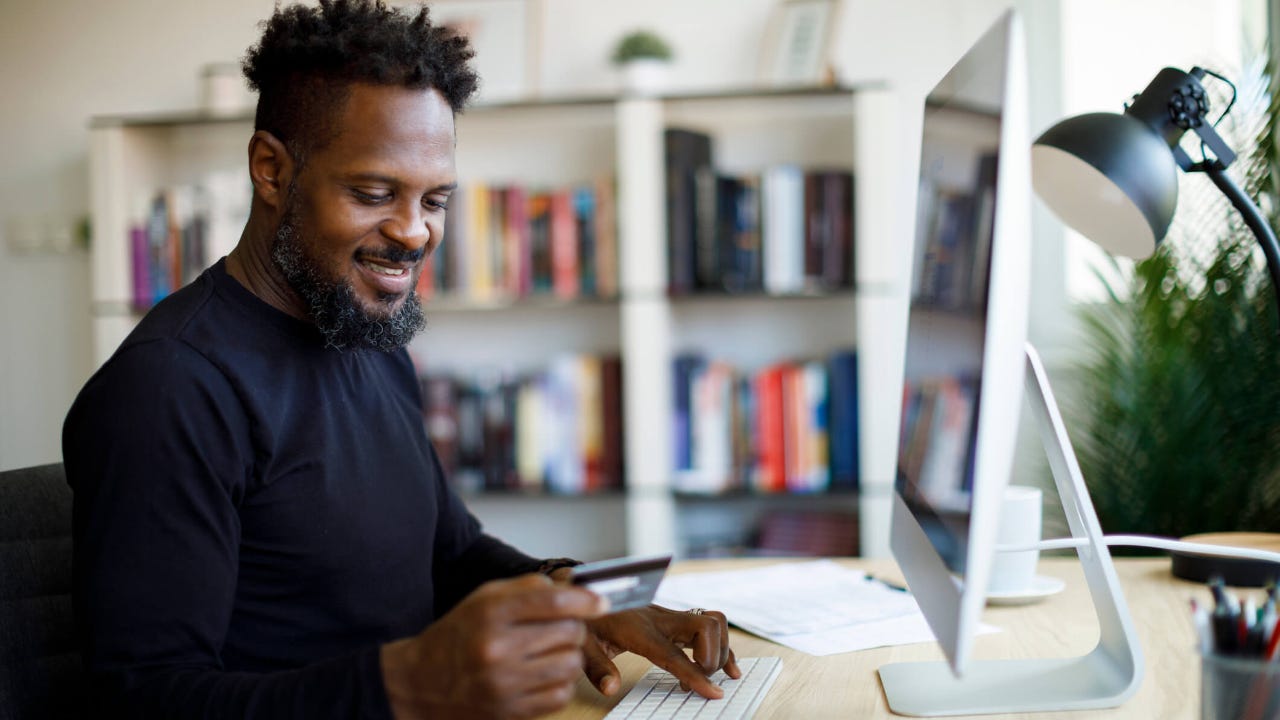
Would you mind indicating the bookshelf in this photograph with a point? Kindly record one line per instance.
(570, 140)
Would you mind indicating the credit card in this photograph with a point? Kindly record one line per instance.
(629, 582)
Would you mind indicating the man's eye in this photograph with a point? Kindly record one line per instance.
(370, 198)
(436, 204)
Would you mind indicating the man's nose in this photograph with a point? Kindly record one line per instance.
(408, 226)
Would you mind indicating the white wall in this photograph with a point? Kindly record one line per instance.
(67, 60)
(64, 62)
(1140, 40)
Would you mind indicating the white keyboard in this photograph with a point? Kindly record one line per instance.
(657, 696)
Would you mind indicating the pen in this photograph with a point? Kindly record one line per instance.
(1267, 618)
(1200, 621)
(1220, 599)
(1273, 644)
(1248, 619)
(886, 583)
(1226, 631)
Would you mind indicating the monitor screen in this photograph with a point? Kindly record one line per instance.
(966, 330)
(955, 213)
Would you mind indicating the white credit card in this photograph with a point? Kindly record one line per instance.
(628, 582)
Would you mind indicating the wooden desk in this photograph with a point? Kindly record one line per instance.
(847, 686)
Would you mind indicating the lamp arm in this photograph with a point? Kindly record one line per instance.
(1252, 217)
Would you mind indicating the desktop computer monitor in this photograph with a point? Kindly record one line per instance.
(966, 332)
(967, 365)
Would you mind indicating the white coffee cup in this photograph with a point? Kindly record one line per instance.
(1021, 510)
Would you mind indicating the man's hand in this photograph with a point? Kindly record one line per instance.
(661, 635)
(511, 649)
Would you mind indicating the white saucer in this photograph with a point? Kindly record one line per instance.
(1041, 587)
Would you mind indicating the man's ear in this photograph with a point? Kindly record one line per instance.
(271, 168)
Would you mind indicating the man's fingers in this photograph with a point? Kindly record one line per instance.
(533, 639)
(554, 668)
(708, 635)
(725, 652)
(706, 647)
(691, 676)
(544, 700)
(731, 667)
(599, 668)
(533, 598)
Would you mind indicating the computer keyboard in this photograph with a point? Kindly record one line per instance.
(657, 696)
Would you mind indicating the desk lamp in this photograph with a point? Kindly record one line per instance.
(1112, 177)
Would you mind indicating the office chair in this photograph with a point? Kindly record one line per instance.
(40, 668)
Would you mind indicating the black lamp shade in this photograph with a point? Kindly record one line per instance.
(1111, 178)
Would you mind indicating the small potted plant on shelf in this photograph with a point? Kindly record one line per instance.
(643, 57)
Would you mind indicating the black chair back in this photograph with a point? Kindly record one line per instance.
(41, 675)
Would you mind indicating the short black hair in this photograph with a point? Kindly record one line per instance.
(308, 58)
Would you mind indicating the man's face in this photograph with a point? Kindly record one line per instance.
(362, 215)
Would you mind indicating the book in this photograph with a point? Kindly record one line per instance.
(564, 246)
(837, 217)
(467, 473)
(687, 153)
(563, 442)
(590, 414)
(540, 263)
(816, 231)
(815, 473)
(584, 213)
(737, 214)
(606, 234)
(782, 228)
(771, 475)
(843, 404)
(611, 393)
(451, 255)
(498, 456)
(159, 255)
(706, 236)
(710, 470)
(683, 370)
(478, 246)
(531, 469)
(516, 243)
(748, 267)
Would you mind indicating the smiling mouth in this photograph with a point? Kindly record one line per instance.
(384, 269)
(388, 279)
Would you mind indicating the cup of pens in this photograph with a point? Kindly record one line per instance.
(1239, 670)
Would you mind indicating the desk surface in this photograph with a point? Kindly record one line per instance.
(847, 686)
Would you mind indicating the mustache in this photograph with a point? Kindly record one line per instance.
(395, 255)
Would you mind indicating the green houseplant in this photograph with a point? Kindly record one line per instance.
(641, 45)
(1178, 414)
(643, 57)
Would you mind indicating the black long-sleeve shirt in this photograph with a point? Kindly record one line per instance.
(255, 514)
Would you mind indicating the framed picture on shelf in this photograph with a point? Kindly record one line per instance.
(797, 47)
(505, 37)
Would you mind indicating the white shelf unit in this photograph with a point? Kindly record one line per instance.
(553, 143)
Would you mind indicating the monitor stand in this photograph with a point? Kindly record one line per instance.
(1105, 677)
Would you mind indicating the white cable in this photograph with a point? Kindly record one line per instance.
(1150, 541)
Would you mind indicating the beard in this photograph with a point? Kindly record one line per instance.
(342, 319)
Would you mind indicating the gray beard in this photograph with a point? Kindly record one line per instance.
(332, 305)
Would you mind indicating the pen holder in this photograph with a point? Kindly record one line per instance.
(1238, 688)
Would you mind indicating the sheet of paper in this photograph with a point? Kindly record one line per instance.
(818, 607)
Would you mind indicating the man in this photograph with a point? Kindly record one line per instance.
(261, 527)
